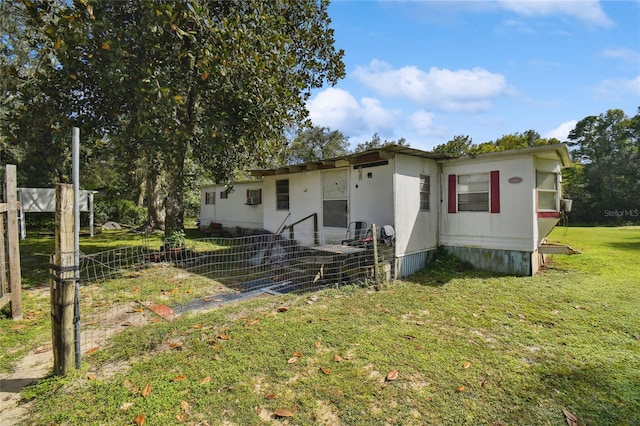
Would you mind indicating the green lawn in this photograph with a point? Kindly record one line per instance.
(468, 347)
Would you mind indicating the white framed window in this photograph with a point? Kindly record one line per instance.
(473, 192)
(210, 197)
(547, 190)
(425, 191)
(282, 194)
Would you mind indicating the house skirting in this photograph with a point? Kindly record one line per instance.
(510, 262)
(413, 262)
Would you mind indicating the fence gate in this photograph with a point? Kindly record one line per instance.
(10, 279)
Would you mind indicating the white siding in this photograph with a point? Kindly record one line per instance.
(233, 210)
(372, 194)
(513, 227)
(416, 230)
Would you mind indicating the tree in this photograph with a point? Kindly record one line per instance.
(458, 146)
(317, 143)
(223, 79)
(376, 142)
(607, 148)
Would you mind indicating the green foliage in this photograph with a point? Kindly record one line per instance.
(160, 79)
(377, 142)
(177, 239)
(606, 185)
(317, 143)
(121, 211)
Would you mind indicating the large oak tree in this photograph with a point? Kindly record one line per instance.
(220, 80)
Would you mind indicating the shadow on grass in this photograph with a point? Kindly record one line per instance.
(445, 267)
(596, 394)
(626, 245)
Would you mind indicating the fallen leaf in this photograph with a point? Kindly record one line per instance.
(254, 322)
(325, 370)
(205, 380)
(258, 409)
(139, 310)
(223, 337)
(204, 75)
(282, 309)
(139, 420)
(522, 317)
(579, 307)
(48, 348)
(106, 46)
(186, 407)
(216, 347)
(197, 326)
(466, 365)
(482, 383)
(146, 391)
(338, 358)
(572, 420)
(292, 360)
(175, 345)
(297, 354)
(92, 376)
(125, 406)
(318, 345)
(409, 337)
(555, 312)
(283, 412)
(428, 399)
(128, 385)
(271, 396)
(178, 378)
(392, 375)
(89, 351)
(460, 388)
(18, 327)
(127, 324)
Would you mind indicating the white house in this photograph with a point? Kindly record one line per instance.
(493, 210)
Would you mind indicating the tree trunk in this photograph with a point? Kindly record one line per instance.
(155, 205)
(175, 185)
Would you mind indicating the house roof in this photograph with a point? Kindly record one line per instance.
(386, 152)
(551, 152)
(366, 157)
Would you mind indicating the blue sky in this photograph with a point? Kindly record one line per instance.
(430, 70)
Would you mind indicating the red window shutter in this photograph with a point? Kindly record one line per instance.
(495, 191)
(260, 196)
(452, 201)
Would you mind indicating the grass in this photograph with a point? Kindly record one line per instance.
(469, 348)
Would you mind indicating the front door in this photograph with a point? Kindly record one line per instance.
(335, 203)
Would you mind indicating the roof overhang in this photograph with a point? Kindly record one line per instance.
(359, 158)
(550, 152)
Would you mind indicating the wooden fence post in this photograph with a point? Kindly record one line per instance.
(13, 242)
(62, 283)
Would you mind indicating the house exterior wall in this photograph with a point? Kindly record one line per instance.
(232, 211)
(510, 229)
(305, 198)
(416, 229)
(372, 194)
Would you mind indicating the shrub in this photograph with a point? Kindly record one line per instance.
(121, 211)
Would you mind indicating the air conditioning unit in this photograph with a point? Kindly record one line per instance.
(253, 197)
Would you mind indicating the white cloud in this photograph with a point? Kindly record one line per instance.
(562, 131)
(339, 110)
(618, 88)
(585, 10)
(460, 90)
(623, 53)
(422, 123)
